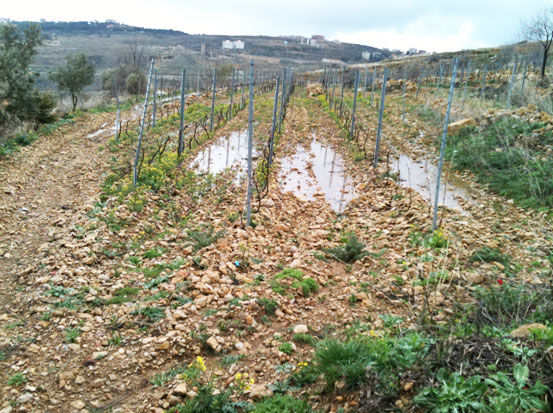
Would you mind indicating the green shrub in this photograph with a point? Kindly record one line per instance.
(487, 254)
(71, 335)
(286, 348)
(292, 277)
(379, 360)
(206, 401)
(17, 379)
(151, 313)
(353, 250)
(519, 396)
(453, 394)
(304, 338)
(282, 404)
(269, 305)
(510, 157)
(509, 305)
(203, 237)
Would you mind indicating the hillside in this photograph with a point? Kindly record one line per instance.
(106, 42)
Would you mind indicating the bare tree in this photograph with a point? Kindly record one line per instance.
(539, 28)
(133, 55)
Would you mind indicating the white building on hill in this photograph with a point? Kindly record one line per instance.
(232, 45)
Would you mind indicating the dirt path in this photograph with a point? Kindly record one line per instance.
(41, 188)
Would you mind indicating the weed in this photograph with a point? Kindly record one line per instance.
(508, 305)
(231, 359)
(203, 237)
(282, 404)
(154, 253)
(517, 396)
(453, 394)
(71, 335)
(206, 400)
(353, 250)
(294, 278)
(269, 305)
(153, 314)
(286, 348)
(487, 254)
(156, 282)
(17, 379)
(305, 338)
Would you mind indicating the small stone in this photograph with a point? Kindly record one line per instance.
(300, 329)
(524, 331)
(260, 391)
(79, 380)
(78, 405)
(99, 355)
(25, 397)
(180, 390)
(408, 386)
(6, 410)
(214, 344)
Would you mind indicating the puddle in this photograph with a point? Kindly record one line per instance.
(422, 176)
(231, 152)
(317, 170)
(98, 132)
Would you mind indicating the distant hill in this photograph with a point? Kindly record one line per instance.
(106, 42)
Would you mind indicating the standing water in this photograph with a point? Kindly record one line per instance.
(317, 171)
(422, 176)
(231, 152)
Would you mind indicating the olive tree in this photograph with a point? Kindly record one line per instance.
(539, 28)
(77, 73)
(19, 101)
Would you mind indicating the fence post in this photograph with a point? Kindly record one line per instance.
(442, 148)
(372, 87)
(419, 83)
(118, 112)
(508, 105)
(198, 83)
(231, 95)
(140, 135)
(342, 92)
(404, 92)
(365, 81)
(282, 97)
(333, 88)
(379, 130)
(524, 76)
(182, 102)
(243, 88)
(356, 86)
(466, 84)
(250, 148)
(439, 81)
(273, 126)
(484, 82)
(155, 101)
(213, 98)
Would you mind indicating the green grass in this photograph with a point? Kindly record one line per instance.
(294, 278)
(509, 159)
(282, 404)
(16, 379)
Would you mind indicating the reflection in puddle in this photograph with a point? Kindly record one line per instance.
(317, 170)
(231, 152)
(422, 176)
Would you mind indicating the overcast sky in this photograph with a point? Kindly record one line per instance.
(432, 25)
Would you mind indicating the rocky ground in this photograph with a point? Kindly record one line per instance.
(105, 303)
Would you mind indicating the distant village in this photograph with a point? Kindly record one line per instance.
(317, 40)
